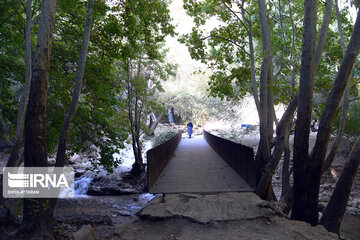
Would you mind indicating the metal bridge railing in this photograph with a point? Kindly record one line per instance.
(239, 157)
(158, 157)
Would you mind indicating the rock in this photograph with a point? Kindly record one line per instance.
(206, 208)
(357, 202)
(74, 158)
(324, 198)
(322, 206)
(86, 232)
(110, 185)
(118, 229)
(240, 216)
(93, 152)
(84, 219)
(109, 190)
(349, 228)
(353, 210)
(51, 161)
(217, 216)
(327, 186)
(79, 174)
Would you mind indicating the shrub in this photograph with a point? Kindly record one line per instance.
(163, 136)
(352, 126)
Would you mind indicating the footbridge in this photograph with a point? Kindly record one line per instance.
(207, 164)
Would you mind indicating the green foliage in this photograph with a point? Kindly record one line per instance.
(12, 50)
(163, 137)
(123, 32)
(224, 47)
(198, 108)
(98, 104)
(352, 126)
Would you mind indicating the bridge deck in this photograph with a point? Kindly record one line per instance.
(197, 168)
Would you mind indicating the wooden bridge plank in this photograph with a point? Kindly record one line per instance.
(197, 168)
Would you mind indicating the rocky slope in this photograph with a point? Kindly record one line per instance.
(217, 216)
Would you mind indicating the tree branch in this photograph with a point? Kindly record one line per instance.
(226, 39)
(238, 18)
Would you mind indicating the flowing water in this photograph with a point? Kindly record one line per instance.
(118, 205)
(170, 116)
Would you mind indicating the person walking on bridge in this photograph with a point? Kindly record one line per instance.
(189, 128)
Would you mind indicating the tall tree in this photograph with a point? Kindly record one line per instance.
(327, 118)
(147, 23)
(35, 222)
(302, 129)
(141, 79)
(266, 114)
(344, 102)
(18, 142)
(60, 157)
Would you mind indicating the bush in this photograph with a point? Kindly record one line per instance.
(352, 126)
(163, 137)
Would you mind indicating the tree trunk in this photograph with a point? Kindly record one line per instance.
(154, 124)
(60, 157)
(336, 207)
(292, 64)
(138, 167)
(302, 129)
(254, 91)
(285, 172)
(323, 33)
(263, 153)
(36, 223)
(327, 118)
(344, 102)
(282, 130)
(20, 123)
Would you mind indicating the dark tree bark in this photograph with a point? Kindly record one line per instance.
(302, 129)
(264, 185)
(336, 207)
(344, 102)
(134, 114)
(285, 172)
(326, 120)
(36, 223)
(282, 130)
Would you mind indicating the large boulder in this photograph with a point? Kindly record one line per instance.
(206, 208)
(86, 232)
(235, 215)
(110, 185)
